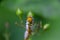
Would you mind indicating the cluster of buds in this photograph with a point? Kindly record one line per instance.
(29, 23)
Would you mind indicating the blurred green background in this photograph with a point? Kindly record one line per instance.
(48, 9)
